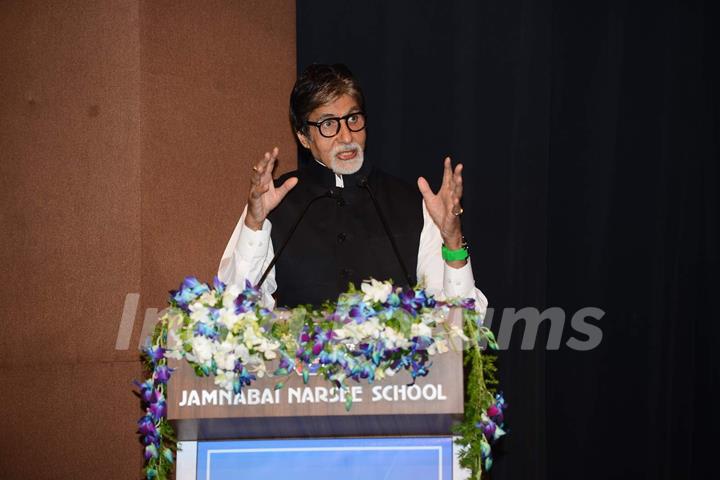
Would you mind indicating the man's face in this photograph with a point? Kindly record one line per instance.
(342, 153)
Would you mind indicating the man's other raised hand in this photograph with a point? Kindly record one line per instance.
(444, 206)
(263, 197)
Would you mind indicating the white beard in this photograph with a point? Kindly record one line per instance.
(346, 167)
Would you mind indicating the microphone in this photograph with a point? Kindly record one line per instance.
(363, 183)
(332, 193)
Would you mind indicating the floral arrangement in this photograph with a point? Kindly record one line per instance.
(368, 334)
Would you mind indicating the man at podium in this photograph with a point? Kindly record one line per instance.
(353, 221)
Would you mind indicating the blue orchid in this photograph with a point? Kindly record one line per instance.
(155, 354)
(322, 337)
(422, 342)
(468, 303)
(287, 363)
(147, 430)
(218, 285)
(248, 299)
(150, 452)
(363, 371)
(491, 424)
(189, 290)
(163, 373)
(352, 308)
(335, 357)
(158, 409)
(244, 377)
(418, 369)
(206, 330)
(147, 388)
(412, 301)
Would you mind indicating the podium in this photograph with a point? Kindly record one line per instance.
(200, 410)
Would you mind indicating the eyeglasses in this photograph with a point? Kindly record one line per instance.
(330, 127)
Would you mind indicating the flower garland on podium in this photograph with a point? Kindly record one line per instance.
(377, 331)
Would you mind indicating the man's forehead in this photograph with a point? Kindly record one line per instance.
(336, 107)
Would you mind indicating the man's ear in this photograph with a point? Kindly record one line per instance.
(304, 141)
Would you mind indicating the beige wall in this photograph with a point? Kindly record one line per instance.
(127, 129)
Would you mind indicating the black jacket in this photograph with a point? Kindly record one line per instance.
(341, 239)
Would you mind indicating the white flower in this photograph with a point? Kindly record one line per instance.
(259, 369)
(456, 331)
(208, 298)
(230, 294)
(251, 337)
(177, 354)
(225, 379)
(430, 317)
(199, 312)
(243, 352)
(376, 291)
(225, 360)
(270, 354)
(202, 348)
(394, 339)
(438, 346)
(370, 328)
(228, 318)
(360, 332)
(420, 330)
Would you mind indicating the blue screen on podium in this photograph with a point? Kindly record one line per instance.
(417, 458)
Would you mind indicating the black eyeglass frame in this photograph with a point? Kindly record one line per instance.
(339, 119)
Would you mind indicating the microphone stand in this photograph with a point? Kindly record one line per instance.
(329, 194)
(363, 183)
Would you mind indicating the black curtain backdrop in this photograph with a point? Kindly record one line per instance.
(589, 133)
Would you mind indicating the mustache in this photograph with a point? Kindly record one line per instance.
(346, 148)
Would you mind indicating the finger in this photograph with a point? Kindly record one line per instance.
(268, 172)
(458, 181)
(287, 185)
(256, 175)
(263, 163)
(264, 169)
(272, 158)
(457, 174)
(425, 189)
(458, 191)
(265, 160)
(259, 169)
(447, 172)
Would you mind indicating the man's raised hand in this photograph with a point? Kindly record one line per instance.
(444, 207)
(263, 196)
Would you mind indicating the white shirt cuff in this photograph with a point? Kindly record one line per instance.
(458, 282)
(253, 244)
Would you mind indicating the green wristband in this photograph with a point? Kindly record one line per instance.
(453, 255)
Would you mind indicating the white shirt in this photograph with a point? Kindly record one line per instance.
(249, 252)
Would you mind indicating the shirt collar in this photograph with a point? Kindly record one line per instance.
(327, 178)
